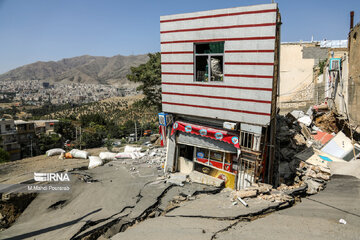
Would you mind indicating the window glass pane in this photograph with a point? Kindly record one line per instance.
(217, 47)
(202, 68)
(202, 155)
(216, 68)
(205, 48)
(216, 155)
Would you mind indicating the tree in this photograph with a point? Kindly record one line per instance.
(66, 129)
(48, 141)
(4, 156)
(149, 75)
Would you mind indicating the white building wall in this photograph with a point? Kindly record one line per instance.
(245, 93)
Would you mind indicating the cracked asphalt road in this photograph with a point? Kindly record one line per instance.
(124, 205)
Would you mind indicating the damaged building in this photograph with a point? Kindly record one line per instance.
(220, 72)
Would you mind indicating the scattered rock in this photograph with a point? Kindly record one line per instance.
(313, 186)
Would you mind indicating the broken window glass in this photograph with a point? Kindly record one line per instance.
(209, 61)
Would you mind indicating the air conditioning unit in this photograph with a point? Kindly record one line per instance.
(165, 119)
(230, 125)
(335, 64)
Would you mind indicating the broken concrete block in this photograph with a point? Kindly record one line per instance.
(297, 114)
(306, 120)
(179, 198)
(312, 186)
(299, 139)
(154, 137)
(205, 179)
(310, 173)
(323, 176)
(262, 188)
(325, 170)
(247, 193)
(179, 176)
(177, 179)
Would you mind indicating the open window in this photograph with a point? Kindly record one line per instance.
(209, 61)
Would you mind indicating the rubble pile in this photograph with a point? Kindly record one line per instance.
(262, 191)
(289, 142)
(315, 177)
(302, 151)
(152, 157)
(327, 122)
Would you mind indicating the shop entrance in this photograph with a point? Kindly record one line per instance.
(185, 158)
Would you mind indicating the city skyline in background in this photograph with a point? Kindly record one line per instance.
(40, 30)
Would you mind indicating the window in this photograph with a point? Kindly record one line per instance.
(209, 61)
(217, 159)
(250, 140)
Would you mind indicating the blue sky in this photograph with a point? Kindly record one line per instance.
(45, 30)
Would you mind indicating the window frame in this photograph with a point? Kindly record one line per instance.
(209, 55)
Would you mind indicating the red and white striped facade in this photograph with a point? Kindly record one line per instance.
(245, 94)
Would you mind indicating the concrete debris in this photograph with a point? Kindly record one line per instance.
(299, 135)
(177, 179)
(205, 179)
(296, 114)
(313, 186)
(340, 146)
(327, 122)
(245, 193)
(306, 120)
(154, 137)
(266, 192)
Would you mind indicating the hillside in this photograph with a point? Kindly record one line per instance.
(82, 69)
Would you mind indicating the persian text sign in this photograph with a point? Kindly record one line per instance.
(213, 133)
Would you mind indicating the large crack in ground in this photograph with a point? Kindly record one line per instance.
(254, 216)
(111, 226)
(121, 223)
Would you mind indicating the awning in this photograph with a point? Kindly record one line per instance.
(201, 142)
(206, 132)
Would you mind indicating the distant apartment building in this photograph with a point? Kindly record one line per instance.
(302, 82)
(45, 126)
(26, 137)
(8, 139)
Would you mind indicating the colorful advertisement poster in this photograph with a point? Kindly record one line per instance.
(229, 178)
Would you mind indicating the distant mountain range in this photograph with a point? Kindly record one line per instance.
(82, 69)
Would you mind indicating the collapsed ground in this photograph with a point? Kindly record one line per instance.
(130, 199)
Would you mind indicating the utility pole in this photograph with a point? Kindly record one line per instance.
(135, 132)
(31, 148)
(80, 137)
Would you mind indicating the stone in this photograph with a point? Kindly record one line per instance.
(323, 176)
(246, 193)
(310, 173)
(299, 139)
(154, 137)
(312, 186)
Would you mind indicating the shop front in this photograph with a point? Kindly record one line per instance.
(207, 150)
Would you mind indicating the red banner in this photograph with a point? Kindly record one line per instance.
(162, 132)
(213, 133)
